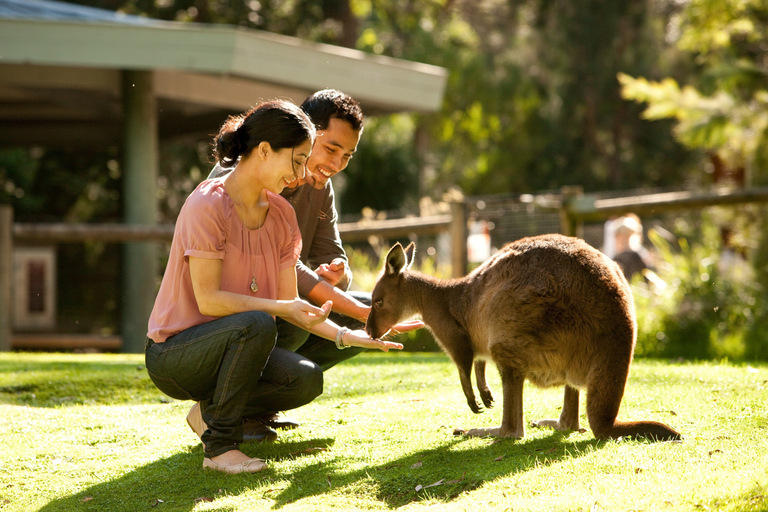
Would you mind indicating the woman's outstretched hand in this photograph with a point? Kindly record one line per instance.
(360, 338)
(304, 314)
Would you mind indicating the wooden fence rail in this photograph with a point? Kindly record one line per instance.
(574, 207)
(350, 231)
(577, 208)
(25, 233)
(59, 233)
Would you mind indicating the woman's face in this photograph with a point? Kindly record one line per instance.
(285, 166)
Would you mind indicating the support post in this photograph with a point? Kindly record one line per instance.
(570, 223)
(458, 236)
(6, 275)
(140, 259)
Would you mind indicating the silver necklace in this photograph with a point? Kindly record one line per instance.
(254, 284)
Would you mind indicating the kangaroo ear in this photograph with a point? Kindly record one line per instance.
(395, 260)
(410, 251)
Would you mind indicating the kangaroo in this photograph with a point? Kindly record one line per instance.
(549, 308)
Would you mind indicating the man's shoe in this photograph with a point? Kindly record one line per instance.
(256, 430)
(274, 420)
(195, 420)
(253, 430)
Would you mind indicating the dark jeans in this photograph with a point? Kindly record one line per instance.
(231, 366)
(321, 351)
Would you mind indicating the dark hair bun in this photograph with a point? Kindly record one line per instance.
(280, 123)
(230, 142)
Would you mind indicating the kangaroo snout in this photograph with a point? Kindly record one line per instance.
(372, 331)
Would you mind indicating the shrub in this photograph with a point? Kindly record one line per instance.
(709, 304)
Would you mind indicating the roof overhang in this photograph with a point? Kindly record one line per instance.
(70, 72)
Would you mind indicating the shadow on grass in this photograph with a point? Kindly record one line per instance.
(441, 473)
(178, 482)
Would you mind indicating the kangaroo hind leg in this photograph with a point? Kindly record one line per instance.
(512, 414)
(569, 417)
(604, 394)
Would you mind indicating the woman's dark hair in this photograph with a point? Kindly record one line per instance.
(324, 105)
(281, 123)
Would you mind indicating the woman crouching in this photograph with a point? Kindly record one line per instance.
(230, 272)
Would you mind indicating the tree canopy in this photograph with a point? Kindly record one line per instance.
(540, 92)
(723, 107)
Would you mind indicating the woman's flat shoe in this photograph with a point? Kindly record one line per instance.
(195, 420)
(250, 466)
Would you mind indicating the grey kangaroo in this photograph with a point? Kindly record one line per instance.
(550, 308)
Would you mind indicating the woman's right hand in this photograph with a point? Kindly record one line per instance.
(359, 338)
(304, 314)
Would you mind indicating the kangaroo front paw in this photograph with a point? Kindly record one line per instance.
(487, 397)
(476, 408)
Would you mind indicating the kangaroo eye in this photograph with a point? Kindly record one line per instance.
(378, 303)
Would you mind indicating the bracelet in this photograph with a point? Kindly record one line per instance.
(339, 338)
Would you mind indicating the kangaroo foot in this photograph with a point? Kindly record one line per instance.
(555, 424)
(492, 432)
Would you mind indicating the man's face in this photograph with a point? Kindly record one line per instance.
(333, 148)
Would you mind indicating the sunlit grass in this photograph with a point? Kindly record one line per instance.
(90, 432)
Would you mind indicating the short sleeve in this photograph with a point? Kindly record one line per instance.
(203, 223)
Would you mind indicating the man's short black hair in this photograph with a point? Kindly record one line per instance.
(324, 105)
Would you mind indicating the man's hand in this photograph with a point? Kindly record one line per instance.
(408, 325)
(332, 272)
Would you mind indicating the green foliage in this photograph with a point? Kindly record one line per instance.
(719, 122)
(49, 185)
(711, 305)
(532, 102)
(328, 22)
(725, 107)
(385, 162)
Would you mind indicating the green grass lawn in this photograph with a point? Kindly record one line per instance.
(90, 432)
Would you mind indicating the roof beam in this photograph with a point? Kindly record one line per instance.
(383, 82)
(222, 91)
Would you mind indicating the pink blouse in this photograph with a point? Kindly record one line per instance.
(209, 227)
